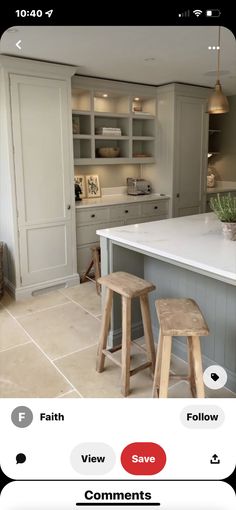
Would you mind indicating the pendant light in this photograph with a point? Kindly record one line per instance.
(218, 102)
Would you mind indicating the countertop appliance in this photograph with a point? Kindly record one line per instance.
(138, 186)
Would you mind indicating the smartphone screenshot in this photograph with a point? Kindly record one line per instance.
(117, 261)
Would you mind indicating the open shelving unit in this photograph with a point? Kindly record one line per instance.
(136, 130)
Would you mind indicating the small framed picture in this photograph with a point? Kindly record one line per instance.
(80, 179)
(93, 186)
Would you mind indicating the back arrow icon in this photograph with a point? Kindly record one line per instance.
(18, 44)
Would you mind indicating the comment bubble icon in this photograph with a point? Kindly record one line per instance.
(20, 458)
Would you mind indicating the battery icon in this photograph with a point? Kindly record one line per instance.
(213, 13)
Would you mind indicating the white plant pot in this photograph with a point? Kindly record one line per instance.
(229, 231)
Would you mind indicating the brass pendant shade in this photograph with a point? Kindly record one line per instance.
(218, 102)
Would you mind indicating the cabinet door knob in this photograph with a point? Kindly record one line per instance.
(92, 215)
(126, 211)
(177, 195)
(68, 207)
(156, 207)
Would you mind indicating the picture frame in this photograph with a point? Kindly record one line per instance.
(93, 186)
(80, 179)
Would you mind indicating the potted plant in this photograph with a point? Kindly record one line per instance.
(225, 208)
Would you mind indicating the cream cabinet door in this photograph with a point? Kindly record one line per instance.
(190, 156)
(43, 177)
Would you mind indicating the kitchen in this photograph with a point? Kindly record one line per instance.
(165, 143)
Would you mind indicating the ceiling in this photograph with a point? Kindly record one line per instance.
(142, 54)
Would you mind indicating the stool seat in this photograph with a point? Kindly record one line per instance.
(179, 317)
(126, 284)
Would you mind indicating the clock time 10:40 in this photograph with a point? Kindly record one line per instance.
(22, 13)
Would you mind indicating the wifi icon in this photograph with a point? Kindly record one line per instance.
(197, 12)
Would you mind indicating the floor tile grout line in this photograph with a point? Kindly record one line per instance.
(15, 346)
(69, 300)
(74, 352)
(68, 392)
(36, 311)
(85, 309)
(44, 353)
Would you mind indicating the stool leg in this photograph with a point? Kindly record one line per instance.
(83, 277)
(165, 366)
(191, 366)
(97, 270)
(197, 362)
(156, 381)
(148, 335)
(126, 344)
(104, 331)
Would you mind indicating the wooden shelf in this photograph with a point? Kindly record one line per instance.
(112, 161)
(82, 137)
(108, 114)
(143, 117)
(80, 112)
(143, 138)
(114, 137)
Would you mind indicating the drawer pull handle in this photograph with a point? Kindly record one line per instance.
(92, 215)
(156, 207)
(68, 207)
(126, 211)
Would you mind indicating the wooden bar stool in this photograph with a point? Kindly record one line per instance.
(179, 317)
(95, 262)
(128, 286)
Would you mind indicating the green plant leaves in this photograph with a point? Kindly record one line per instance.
(224, 207)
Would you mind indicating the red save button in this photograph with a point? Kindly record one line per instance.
(143, 458)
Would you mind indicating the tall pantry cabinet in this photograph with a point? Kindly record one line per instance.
(37, 207)
(182, 145)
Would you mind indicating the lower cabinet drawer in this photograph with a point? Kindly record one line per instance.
(86, 234)
(84, 253)
(147, 219)
(154, 208)
(92, 215)
(125, 211)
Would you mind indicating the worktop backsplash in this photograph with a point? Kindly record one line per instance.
(110, 175)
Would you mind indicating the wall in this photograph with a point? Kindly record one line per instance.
(110, 175)
(150, 173)
(224, 164)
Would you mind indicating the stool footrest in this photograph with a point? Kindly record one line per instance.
(140, 367)
(180, 377)
(109, 354)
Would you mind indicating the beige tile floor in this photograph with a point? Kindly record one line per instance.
(48, 348)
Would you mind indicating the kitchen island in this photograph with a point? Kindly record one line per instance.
(183, 257)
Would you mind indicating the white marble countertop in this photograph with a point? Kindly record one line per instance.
(193, 242)
(118, 199)
(222, 186)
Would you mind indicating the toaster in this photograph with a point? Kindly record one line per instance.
(138, 186)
